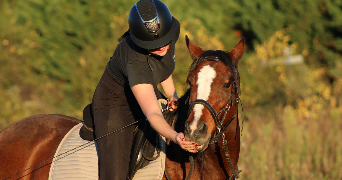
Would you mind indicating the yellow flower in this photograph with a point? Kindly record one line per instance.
(5, 42)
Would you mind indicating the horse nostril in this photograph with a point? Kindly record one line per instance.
(201, 130)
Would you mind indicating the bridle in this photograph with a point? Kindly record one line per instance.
(220, 127)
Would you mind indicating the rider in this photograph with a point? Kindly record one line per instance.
(128, 92)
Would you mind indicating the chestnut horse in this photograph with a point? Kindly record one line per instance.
(210, 108)
(212, 118)
(28, 146)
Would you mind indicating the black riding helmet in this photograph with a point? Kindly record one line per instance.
(151, 24)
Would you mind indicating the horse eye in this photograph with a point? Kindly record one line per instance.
(226, 85)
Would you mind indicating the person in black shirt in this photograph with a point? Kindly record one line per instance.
(128, 92)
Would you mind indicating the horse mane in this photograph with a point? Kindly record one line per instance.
(177, 118)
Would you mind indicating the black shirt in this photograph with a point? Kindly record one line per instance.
(133, 65)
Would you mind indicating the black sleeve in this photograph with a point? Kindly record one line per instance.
(139, 72)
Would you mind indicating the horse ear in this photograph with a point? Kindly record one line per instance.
(236, 53)
(194, 50)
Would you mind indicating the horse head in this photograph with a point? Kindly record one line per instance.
(214, 85)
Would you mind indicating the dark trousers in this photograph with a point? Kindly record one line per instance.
(114, 107)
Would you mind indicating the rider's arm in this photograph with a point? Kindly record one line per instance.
(144, 93)
(169, 87)
(170, 91)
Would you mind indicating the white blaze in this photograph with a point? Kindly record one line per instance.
(205, 78)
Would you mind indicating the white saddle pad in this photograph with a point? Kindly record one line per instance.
(82, 162)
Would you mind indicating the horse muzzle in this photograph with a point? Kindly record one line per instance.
(199, 135)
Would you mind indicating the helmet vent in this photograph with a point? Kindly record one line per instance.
(152, 26)
(146, 10)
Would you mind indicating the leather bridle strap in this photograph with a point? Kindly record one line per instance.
(220, 128)
(235, 172)
(209, 107)
(219, 132)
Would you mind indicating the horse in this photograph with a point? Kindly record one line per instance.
(211, 117)
(207, 114)
(31, 142)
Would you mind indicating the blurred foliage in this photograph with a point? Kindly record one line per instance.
(300, 85)
(53, 53)
(293, 117)
(287, 147)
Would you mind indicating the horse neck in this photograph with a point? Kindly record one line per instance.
(213, 159)
(216, 152)
(212, 162)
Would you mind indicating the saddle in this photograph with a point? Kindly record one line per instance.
(87, 130)
(144, 144)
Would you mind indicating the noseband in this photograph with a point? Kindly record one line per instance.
(220, 128)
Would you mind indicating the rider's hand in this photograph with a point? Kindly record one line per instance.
(171, 102)
(186, 145)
